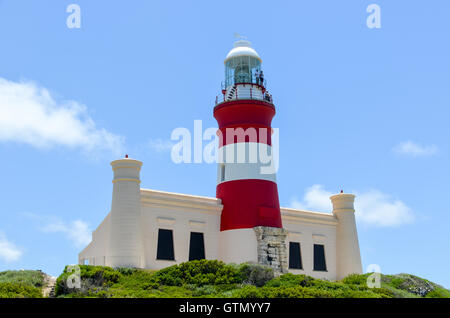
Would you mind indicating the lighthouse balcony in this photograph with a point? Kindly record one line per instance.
(241, 91)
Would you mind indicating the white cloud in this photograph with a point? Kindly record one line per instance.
(77, 231)
(30, 114)
(379, 209)
(372, 207)
(315, 198)
(8, 251)
(414, 149)
(160, 145)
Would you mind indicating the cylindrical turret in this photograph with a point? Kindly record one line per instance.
(248, 189)
(125, 239)
(347, 245)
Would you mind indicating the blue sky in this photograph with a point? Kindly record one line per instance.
(359, 109)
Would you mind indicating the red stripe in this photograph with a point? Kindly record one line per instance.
(244, 112)
(250, 116)
(249, 203)
(245, 133)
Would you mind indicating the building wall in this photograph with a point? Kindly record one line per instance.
(95, 252)
(309, 228)
(185, 214)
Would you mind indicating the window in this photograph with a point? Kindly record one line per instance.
(222, 173)
(196, 246)
(295, 256)
(319, 258)
(165, 245)
(241, 69)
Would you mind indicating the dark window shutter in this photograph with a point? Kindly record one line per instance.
(196, 246)
(165, 245)
(295, 256)
(319, 258)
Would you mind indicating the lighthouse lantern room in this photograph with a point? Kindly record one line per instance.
(244, 78)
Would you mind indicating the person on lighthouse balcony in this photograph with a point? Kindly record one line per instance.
(261, 78)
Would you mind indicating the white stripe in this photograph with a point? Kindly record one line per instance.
(244, 161)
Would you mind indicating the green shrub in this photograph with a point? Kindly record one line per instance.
(407, 285)
(19, 290)
(439, 293)
(355, 279)
(199, 291)
(211, 278)
(298, 292)
(93, 278)
(353, 286)
(27, 277)
(199, 272)
(290, 280)
(255, 274)
(141, 281)
(249, 291)
(397, 282)
(281, 292)
(126, 270)
(21, 284)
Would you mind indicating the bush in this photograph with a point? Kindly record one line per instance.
(126, 270)
(255, 274)
(93, 278)
(19, 290)
(199, 272)
(281, 292)
(290, 280)
(211, 278)
(397, 282)
(249, 291)
(407, 285)
(27, 277)
(142, 281)
(21, 284)
(439, 293)
(355, 279)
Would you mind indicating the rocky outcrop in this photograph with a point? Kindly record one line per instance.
(49, 286)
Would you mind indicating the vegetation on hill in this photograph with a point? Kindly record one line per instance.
(21, 284)
(206, 278)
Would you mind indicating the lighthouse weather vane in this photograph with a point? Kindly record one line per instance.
(239, 36)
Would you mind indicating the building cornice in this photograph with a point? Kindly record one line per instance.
(195, 203)
(301, 216)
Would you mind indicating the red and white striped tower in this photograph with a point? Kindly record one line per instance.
(248, 189)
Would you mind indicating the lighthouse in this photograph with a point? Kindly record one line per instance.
(250, 225)
(155, 229)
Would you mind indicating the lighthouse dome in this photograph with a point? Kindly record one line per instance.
(242, 64)
(242, 48)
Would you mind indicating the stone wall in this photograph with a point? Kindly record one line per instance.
(272, 248)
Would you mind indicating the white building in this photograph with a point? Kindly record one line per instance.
(155, 229)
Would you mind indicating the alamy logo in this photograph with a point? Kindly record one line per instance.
(74, 19)
(230, 145)
(74, 279)
(374, 279)
(374, 19)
